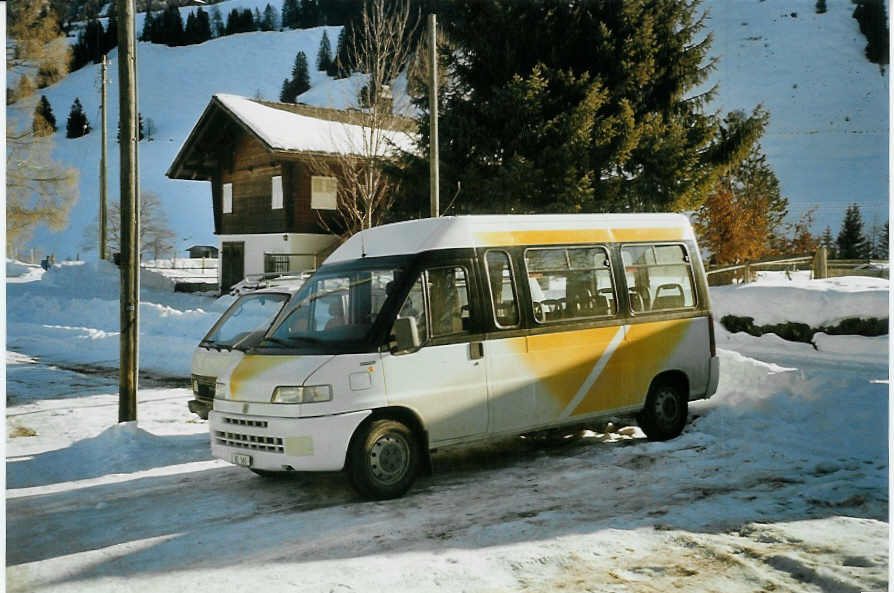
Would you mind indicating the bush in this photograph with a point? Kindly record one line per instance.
(801, 332)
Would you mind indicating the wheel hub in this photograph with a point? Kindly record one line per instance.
(389, 459)
(667, 409)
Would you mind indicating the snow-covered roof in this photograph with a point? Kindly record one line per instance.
(448, 232)
(286, 129)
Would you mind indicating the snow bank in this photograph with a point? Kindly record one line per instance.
(70, 314)
(814, 302)
(17, 271)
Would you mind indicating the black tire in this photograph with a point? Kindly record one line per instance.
(383, 460)
(664, 415)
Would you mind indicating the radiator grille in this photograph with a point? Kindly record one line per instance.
(243, 422)
(249, 441)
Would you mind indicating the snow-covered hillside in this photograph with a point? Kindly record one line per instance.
(778, 483)
(827, 138)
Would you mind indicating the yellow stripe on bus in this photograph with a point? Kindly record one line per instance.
(252, 366)
(575, 236)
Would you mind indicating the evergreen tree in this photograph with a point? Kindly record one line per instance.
(268, 23)
(285, 94)
(148, 23)
(44, 122)
(198, 27)
(341, 53)
(851, 243)
(217, 23)
(300, 74)
(300, 81)
(607, 114)
(77, 124)
(171, 32)
(257, 19)
(873, 21)
(828, 242)
(741, 218)
(110, 41)
(324, 54)
(290, 14)
(884, 246)
(309, 15)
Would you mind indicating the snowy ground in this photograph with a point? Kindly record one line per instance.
(780, 482)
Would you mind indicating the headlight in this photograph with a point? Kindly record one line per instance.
(220, 390)
(302, 395)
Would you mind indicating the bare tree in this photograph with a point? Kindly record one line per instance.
(379, 48)
(155, 234)
(38, 189)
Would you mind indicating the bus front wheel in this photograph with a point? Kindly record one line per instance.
(384, 460)
(664, 414)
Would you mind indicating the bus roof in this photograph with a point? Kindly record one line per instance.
(449, 232)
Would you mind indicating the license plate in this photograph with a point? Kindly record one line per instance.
(243, 460)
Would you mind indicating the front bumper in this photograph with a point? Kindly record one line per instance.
(318, 443)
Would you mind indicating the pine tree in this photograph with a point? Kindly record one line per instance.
(300, 74)
(884, 247)
(290, 14)
(851, 243)
(171, 33)
(217, 23)
(828, 242)
(309, 14)
(44, 122)
(286, 95)
(268, 23)
(341, 53)
(300, 81)
(77, 124)
(148, 24)
(257, 19)
(324, 54)
(612, 83)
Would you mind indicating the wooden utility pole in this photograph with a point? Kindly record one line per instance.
(434, 190)
(130, 213)
(103, 224)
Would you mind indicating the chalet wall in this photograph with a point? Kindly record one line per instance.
(253, 169)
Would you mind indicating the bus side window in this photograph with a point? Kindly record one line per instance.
(502, 288)
(448, 297)
(414, 306)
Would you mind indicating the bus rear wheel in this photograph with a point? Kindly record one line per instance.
(384, 460)
(664, 414)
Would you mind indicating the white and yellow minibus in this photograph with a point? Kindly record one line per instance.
(431, 333)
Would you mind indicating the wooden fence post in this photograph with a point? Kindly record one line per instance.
(820, 264)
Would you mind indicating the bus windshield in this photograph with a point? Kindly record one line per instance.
(333, 309)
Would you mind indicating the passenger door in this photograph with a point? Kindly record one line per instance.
(444, 379)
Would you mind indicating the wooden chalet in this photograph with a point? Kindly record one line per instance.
(263, 161)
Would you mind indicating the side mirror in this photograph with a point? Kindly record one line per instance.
(406, 334)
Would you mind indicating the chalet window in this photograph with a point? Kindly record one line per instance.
(323, 193)
(276, 192)
(227, 198)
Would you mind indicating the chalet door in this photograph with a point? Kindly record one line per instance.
(232, 264)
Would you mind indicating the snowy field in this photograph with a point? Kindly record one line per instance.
(779, 482)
